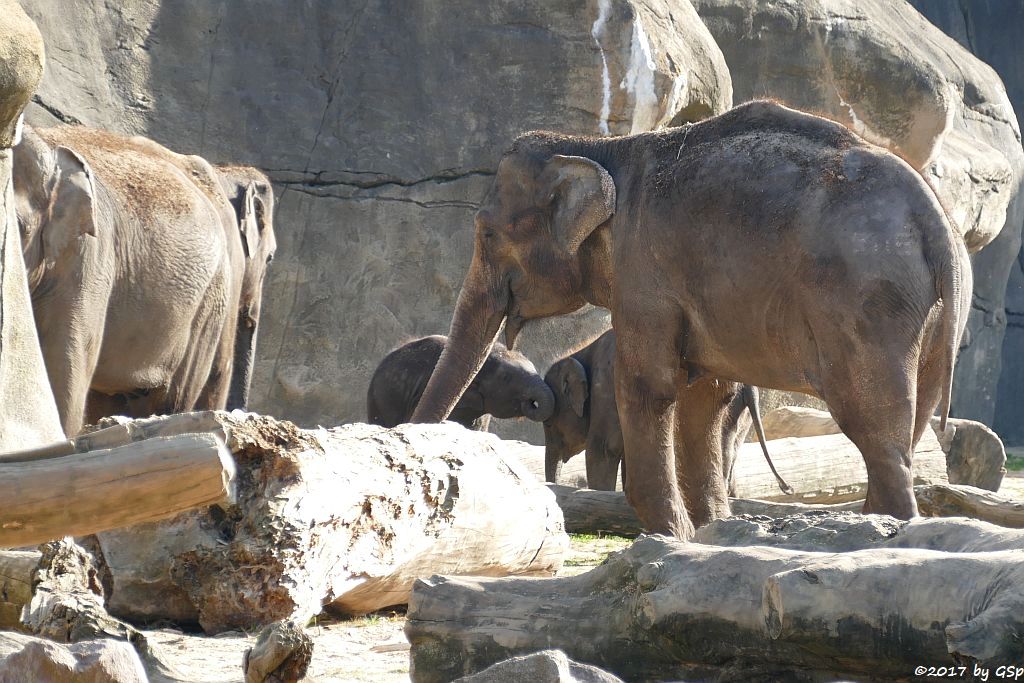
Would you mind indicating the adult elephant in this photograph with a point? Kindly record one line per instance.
(766, 246)
(130, 268)
(252, 199)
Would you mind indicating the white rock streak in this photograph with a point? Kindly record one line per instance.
(604, 9)
(639, 81)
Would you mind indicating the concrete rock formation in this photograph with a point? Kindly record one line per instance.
(882, 69)
(381, 131)
(984, 28)
(28, 414)
(43, 661)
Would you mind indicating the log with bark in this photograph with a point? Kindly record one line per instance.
(48, 493)
(343, 519)
(593, 512)
(665, 610)
(974, 453)
(821, 469)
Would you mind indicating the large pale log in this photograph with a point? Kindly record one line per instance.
(845, 531)
(821, 469)
(824, 469)
(974, 453)
(88, 492)
(343, 519)
(665, 610)
(592, 512)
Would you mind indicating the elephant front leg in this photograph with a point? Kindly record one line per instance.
(645, 392)
(702, 420)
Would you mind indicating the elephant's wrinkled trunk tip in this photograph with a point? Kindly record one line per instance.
(540, 406)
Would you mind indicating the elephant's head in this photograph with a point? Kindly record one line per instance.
(509, 386)
(565, 432)
(55, 201)
(526, 258)
(252, 198)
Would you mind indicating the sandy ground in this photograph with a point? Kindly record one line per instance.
(369, 649)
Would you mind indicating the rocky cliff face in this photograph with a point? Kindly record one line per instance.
(991, 30)
(28, 414)
(381, 129)
(886, 72)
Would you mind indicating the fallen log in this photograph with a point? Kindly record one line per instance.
(592, 512)
(84, 493)
(343, 519)
(665, 610)
(974, 453)
(833, 531)
(821, 469)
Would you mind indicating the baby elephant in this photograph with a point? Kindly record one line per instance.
(586, 418)
(507, 385)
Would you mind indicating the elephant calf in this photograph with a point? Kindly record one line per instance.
(507, 385)
(586, 417)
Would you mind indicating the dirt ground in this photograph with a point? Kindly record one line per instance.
(369, 649)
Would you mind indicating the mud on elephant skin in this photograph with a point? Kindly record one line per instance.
(766, 246)
(586, 418)
(131, 271)
(507, 386)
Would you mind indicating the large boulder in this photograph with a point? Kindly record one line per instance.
(381, 130)
(24, 658)
(28, 414)
(990, 29)
(886, 72)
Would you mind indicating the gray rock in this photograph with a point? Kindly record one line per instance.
(976, 456)
(990, 29)
(94, 661)
(28, 414)
(381, 129)
(546, 666)
(882, 69)
(282, 654)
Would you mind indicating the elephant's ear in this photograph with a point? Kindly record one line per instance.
(249, 223)
(583, 196)
(72, 210)
(575, 388)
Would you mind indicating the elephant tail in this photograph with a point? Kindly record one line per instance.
(956, 284)
(750, 399)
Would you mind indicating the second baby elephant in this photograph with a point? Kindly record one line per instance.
(507, 385)
(586, 417)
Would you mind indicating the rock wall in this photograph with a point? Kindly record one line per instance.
(991, 30)
(28, 414)
(381, 130)
(886, 72)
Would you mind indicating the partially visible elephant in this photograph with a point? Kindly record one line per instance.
(586, 417)
(131, 271)
(252, 198)
(765, 246)
(507, 386)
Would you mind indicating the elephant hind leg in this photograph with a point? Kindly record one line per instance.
(873, 399)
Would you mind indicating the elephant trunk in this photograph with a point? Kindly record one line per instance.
(241, 373)
(479, 313)
(538, 402)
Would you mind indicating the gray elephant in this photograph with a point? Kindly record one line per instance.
(252, 198)
(132, 269)
(507, 386)
(586, 418)
(766, 246)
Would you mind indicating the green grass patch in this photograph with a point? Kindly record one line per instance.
(1015, 459)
